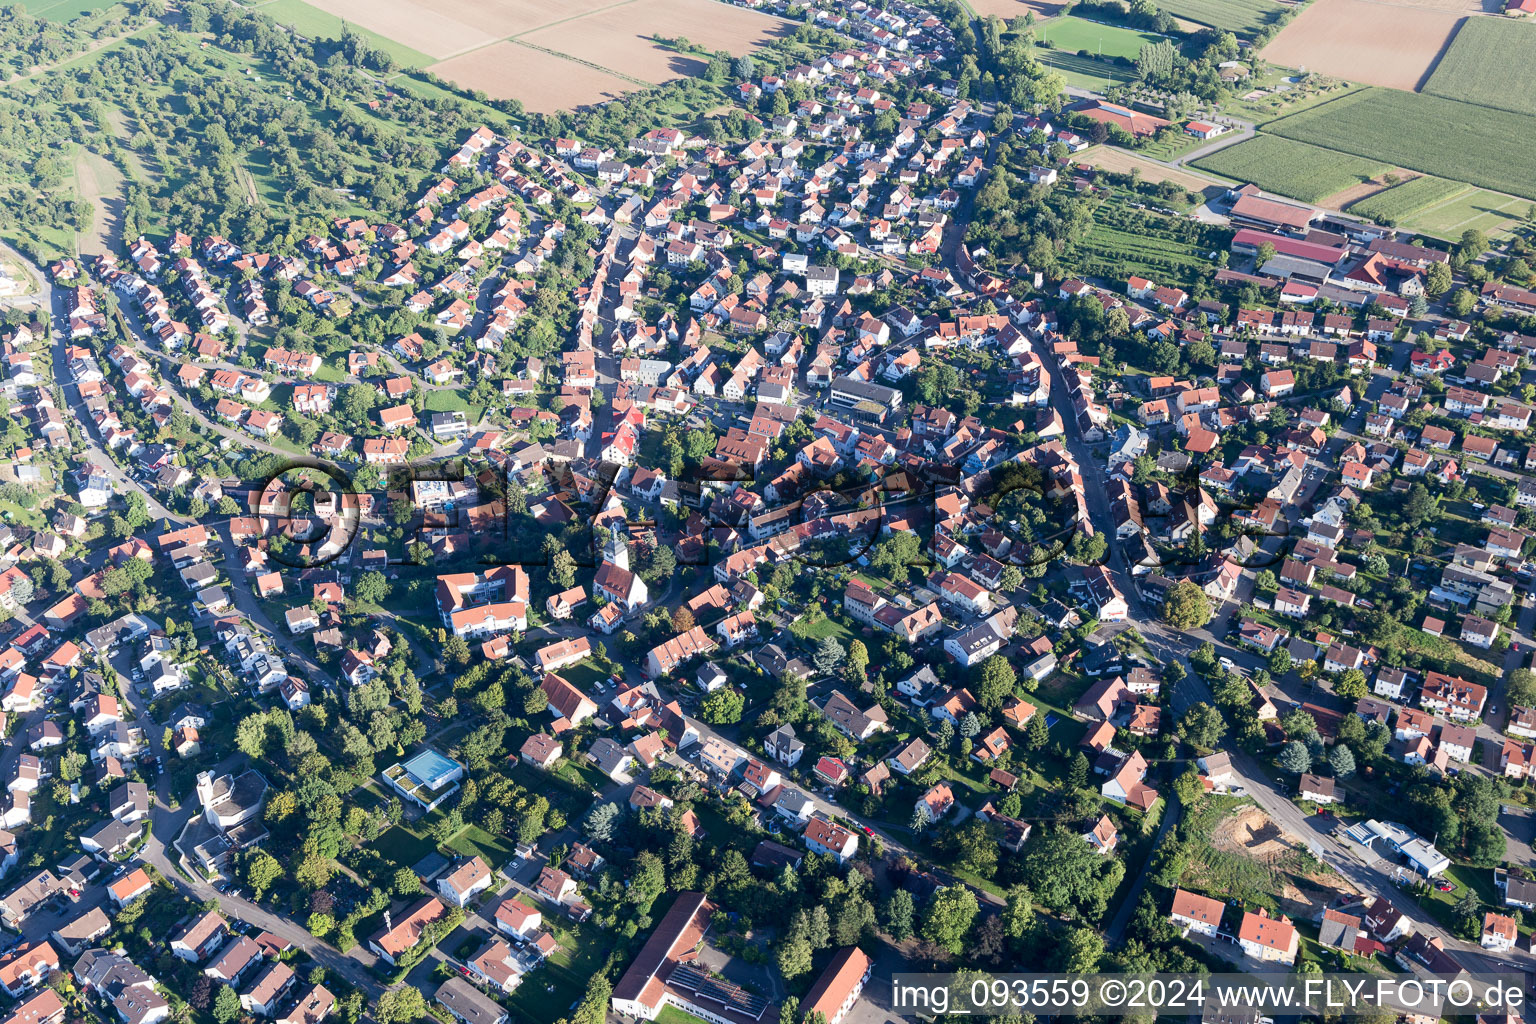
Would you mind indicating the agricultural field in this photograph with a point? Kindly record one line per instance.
(1243, 17)
(544, 82)
(550, 54)
(1007, 9)
(1491, 62)
(1126, 241)
(1349, 39)
(1073, 34)
(1430, 134)
(1394, 205)
(619, 39)
(316, 22)
(1291, 168)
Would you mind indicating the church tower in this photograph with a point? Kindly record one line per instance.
(615, 549)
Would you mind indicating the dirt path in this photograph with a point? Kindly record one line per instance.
(1123, 161)
(1342, 199)
(100, 44)
(250, 186)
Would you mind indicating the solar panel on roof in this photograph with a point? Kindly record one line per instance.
(718, 990)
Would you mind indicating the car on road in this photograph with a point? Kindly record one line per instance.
(866, 830)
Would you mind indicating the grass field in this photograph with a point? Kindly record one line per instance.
(63, 10)
(1243, 17)
(1086, 72)
(1074, 34)
(1460, 141)
(317, 24)
(1488, 212)
(1396, 204)
(1290, 168)
(449, 400)
(1492, 62)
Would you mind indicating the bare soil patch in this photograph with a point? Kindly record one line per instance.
(1248, 857)
(1006, 9)
(1341, 200)
(1121, 162)
(502, 18)
(543, 81)
(1388, 44)
(620, 38)
(1251, 833)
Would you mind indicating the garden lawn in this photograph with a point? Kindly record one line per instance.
(403, 847)
(1291, 168)
(672, 1015)
(584, 675)
(497, 851)
(450, 400)
(1455, 140)
(547, 992)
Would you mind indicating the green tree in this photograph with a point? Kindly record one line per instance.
(1342, 760)
(400, 1006)
(1202, 726)
(858, 658)
(601, 822)
(1037, 734)
(372, 587)
(949, 917)
(829, 656)
(1186, 607)
(794, 958)
(1520, 688)
(456, 651)
(1351, 685)
(1018, 912)
(995, 682)
(1077, 773)
(1066, 874)
(723, 707)
(1294, 757)
(262, 871)
(226, 1005)
(1080, 951)
(1279, 662)
(898, 914)
(1437, 280)
(562, 570)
